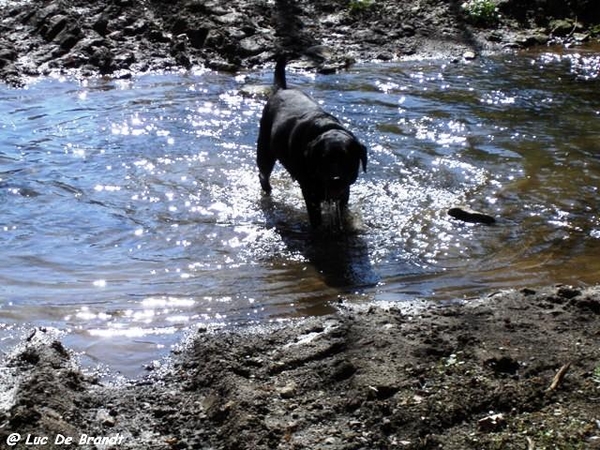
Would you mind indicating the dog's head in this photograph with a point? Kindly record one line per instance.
(333, 159)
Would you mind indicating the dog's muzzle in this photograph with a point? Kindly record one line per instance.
(335, 189)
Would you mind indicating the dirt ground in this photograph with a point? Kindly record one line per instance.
(125, 37)
(513, 370)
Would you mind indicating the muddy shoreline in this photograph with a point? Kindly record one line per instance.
(512, 370)
(120, 38)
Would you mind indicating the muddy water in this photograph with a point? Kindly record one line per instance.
(130, 211)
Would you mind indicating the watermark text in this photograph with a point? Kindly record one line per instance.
(33, 440)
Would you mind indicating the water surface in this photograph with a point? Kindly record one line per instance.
(130, 211)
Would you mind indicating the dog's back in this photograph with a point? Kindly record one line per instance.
(292, 101)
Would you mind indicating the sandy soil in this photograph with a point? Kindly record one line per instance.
(513, 370)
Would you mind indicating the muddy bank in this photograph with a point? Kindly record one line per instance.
(514, 370)
(123, 37)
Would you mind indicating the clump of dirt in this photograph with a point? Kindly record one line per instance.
(514, 370)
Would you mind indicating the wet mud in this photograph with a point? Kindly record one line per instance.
(513, 370)
(123, 37)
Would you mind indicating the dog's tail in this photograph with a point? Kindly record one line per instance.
(279, 81)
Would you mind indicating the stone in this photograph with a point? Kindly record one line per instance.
(469, 55)
(288, 391)
(491, 423)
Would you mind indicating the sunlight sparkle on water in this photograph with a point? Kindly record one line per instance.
(155, 302)
(138, 202)
(131, 332)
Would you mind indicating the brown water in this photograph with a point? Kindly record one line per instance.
(130, 211)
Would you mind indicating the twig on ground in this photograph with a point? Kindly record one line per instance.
(558, 378)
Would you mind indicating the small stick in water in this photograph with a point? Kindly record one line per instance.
(467, 215)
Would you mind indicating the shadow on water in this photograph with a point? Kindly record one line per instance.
(340, 256)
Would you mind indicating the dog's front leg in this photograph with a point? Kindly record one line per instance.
(345, 198)
(313, 206)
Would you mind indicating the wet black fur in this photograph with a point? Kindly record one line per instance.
(313, 146)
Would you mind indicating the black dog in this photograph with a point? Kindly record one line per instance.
(312, 145)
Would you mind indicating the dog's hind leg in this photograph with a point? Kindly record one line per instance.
(265, 167)
(265, 160)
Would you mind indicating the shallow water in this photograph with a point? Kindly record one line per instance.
(131, 210)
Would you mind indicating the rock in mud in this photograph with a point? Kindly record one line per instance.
(491, 423)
